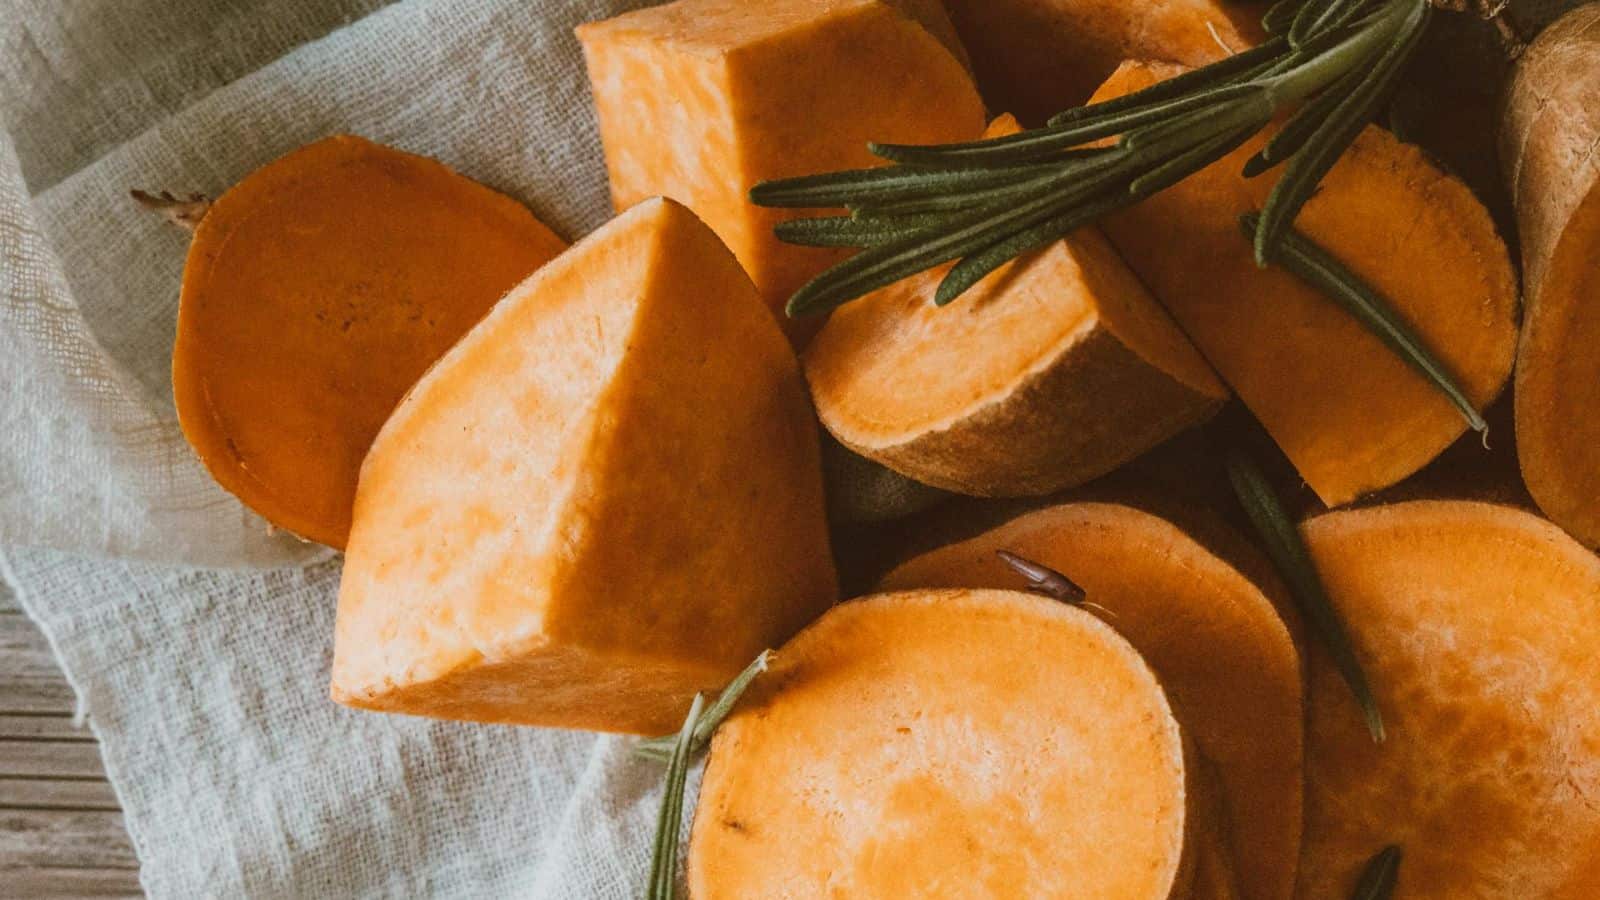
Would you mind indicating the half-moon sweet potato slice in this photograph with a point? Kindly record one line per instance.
(1550, 146)
(1213, 637)
(1053, 370)
(1350, 414)
(316, 292)
(948, 743)
(1476, 624)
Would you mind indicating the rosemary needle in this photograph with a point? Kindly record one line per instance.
(1304, 259)
(1378, 878)
(1043, 579)
(1289, 556)
(669, 822)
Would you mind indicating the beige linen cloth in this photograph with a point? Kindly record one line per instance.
(198, 643)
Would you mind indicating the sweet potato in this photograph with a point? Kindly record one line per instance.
(1213, 637)
(605, 498)
(1350, 414)
(699, 100)
(1550, 146)
(1053, 370)
(1036, 58)
(316, 292)
(1476, 625)
(948, 743)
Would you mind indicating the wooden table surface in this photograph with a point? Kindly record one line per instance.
(61, 832)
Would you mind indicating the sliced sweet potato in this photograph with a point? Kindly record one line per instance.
(1213, 637)
(948, 743)
(1053, 370)
(1036, 58)
(1550, 146)
(316, 292)
(699, 100)
(1350, 414)
(605, 498)
(1476, 625)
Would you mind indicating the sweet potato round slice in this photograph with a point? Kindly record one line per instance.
(1036, 58)
(1549, 147)
(1477, 626)
(1213, 637)
(1350, 414)
(975, 744)
(316, 292)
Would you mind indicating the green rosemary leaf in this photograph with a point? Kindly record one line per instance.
(1306, 120)
(1043, 579)
(669, 822)
(1220, 72)
(1289, 556)
(1305, 171)
(850, 231)
(1378, 878)
(865, 185)
(1196, 158)
(660, 748)
(1281, 15)
(975, 266)
(1309, 262)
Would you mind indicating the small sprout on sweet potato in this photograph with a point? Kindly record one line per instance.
(184, 212)
(1044, 580)
(661, 748)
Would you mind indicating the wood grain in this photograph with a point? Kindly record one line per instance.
(47, 883)
(64, 839)
(37, 793)
(30, 682)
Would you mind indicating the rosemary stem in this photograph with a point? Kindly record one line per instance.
(1324, 69)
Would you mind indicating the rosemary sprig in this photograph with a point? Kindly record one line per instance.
(988, 201)
(1303, 258)
(677, 750)
(669, 822)
(1378, 878)
(660, 748)
(1289, 556)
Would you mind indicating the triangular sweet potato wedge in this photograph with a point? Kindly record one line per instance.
(605, 498)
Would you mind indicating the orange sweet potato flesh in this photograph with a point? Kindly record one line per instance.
(1213, 637)
(1036, 58)
(699, 100)
(1051, 371)
(316, 292)
(1350, 414)
(605, 498)
(947, 743)
(1476, 625)
(1549, 147)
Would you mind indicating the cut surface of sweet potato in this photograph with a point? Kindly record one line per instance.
(1550, 145)
(1213, 637)
(316, 292)
(1350, 414)
(606, 497)
(1036, 58)
(1051, 371)
(699, 100)
(1476, 625)
(950, 743)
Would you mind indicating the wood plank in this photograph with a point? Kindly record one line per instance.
(8, 600)
(53, 838)
(43, 728)
(50, 759)
(34, 793)
(30, 681)
(61, 883)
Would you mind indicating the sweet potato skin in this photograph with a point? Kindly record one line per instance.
(1213, 637)
(699, 100)
(1035, 58)
(316, 291)
(1474, 622)
(892, 752)
(1350, 414)
(555, 527)
(1548, 146)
